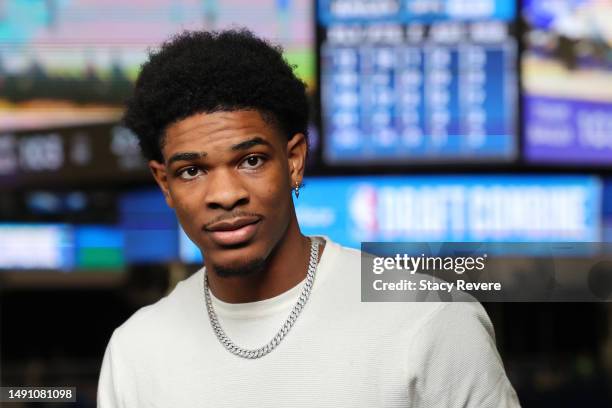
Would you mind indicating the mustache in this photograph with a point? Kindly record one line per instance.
(232, 215)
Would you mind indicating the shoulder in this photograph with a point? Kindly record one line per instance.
(420, 315)
(455, 359)
(460, 319)
(338, 258)
(164, 317)
(338, 252)
(411, 312)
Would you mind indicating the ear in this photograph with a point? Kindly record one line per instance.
(296, 155)
(161, 177)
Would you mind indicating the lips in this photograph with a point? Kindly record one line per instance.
(235, 231)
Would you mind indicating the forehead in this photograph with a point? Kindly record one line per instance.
(218, 129)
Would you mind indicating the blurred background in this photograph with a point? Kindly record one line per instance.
(435, 120)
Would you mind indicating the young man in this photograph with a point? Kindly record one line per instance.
(274, 319)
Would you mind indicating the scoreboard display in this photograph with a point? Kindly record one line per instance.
(83, 155)
(71, 63)
(567, 82)
(409, 81)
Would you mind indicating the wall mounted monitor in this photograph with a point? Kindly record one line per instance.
(567, 81)
(61, 247)
(70, 156)
(66, 63)
(417, 81)
(36, 246)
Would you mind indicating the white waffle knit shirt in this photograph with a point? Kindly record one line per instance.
(340, 353)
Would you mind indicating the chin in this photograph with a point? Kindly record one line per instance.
(237, 261)
(242, 267)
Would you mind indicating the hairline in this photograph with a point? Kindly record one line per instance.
(267, 116)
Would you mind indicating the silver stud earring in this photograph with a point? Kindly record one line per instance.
(296, 190)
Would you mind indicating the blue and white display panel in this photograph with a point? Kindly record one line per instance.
(417, 81)
(567, 81)
(36, 246)
(460, 209)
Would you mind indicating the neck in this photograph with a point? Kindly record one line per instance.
(286, 266)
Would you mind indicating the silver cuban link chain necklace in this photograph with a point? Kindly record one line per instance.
(295, 312)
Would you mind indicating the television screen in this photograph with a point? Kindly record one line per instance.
(61, 247)
(73, 62)
(417, 81)
(145, 232)
(36, 246)
(567, 81)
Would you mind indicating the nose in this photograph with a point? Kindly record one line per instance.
(225, 190)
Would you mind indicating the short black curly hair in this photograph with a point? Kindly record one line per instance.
(209, 71)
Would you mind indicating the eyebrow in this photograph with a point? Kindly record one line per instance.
(189, 156)
(186, 156)
(247, 144)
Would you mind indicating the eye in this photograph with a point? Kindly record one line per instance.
(253, 162)
(189, 173)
